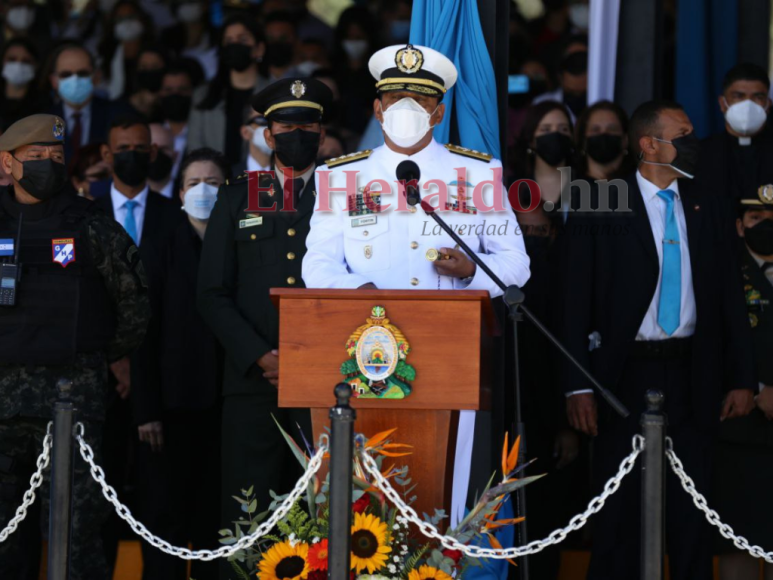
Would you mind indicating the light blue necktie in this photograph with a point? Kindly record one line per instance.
(129, 223)
(671, 281)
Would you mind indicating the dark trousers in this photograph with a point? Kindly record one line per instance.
(179, 493)
(617, 531)
(254, 453)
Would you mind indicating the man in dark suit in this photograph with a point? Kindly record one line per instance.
(87, 117)
(246, 252)
(653, 300)
(149, 218)
(736, 161)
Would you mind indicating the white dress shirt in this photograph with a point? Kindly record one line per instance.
(305, 176)
(119, 208)
(69, 120)
(656, 211)
(168, 190)
(253, 165)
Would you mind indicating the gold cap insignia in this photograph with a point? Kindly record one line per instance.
(298, 89)
(765, 193)
(58, 128)
(409, 60)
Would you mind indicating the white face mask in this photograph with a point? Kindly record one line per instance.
(355, 49)
(745, 117)
(128, 30)
(579, 15)
(190, 12)
(259, 140)
(199, 200)
(307, 68)
(406, 122)
(20, 17)
(18, 73)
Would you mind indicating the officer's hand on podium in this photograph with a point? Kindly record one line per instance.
(121, 370)
(269, 362)
(153, 434)
(582, 413)
(454, 263)
(765, 401)
(738, 403)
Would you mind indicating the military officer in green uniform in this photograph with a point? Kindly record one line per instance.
(247, 251)
(745, 450)
(80, 303)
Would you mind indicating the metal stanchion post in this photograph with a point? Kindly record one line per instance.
(342, 418)
(653, 489)
(61, 484)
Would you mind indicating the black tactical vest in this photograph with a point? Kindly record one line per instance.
(62, 304)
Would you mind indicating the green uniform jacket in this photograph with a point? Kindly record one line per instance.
(244, 255)
(755, 429)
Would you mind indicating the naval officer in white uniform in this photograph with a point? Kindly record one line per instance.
(362, 243)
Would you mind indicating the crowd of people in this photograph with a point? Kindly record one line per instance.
(164, 103)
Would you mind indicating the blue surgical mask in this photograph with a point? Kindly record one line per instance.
(76, 90)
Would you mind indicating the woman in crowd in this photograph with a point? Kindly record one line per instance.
(19, 96)
(87, 167)
(356, 39)
(197, 37)
(151, 66)
(177, 402)
(602, 142)
(126, 30)
(545, 145)
(217, 119)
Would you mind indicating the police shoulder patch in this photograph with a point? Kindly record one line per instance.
(469, 152)
(344, 159)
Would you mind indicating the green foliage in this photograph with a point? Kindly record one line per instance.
(300, 524)
(406, 371)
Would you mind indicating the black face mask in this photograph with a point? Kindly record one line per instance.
(759, 237)
(150, 80)
(687, 152)
(576, 63)
(160, 169)
(42, 178)
(176, 108)
(237, 56)
(131, 167)
(554, 148)
(297, 149)
(279, 54)
(604, 148)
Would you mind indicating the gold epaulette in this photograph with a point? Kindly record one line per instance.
(344, 159)
(469, 152)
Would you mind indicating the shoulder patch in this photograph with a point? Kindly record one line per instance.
(469, 152)
(344, 159)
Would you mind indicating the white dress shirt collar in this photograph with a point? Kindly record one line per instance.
(253, 165)
(306, 175)
(649, 190)
(119, 199)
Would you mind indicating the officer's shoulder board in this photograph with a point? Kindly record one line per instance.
(351, 157)
(238, 179)
(469, 152)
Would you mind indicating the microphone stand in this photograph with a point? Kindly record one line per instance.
(513, 298)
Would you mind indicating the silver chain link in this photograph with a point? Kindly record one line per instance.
(556, 537)
(35, 482)
(244, 542)
(713, 517)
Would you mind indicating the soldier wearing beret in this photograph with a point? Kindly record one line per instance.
(80, 304)
(245, 253)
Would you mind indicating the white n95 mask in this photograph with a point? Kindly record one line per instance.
(745, 117)
(406, 122)
(199, 200)
(259, 140)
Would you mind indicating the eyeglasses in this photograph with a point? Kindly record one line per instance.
(66, 74)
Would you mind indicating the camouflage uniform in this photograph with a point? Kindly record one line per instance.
(27, 395)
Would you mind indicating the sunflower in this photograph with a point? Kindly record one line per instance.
(369, 551)
(318, 556)
(428, 573)
(285, 562)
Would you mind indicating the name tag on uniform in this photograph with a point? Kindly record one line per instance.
(249, 223)
(364, 221)
(6, 247)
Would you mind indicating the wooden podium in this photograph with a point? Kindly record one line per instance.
(448, 332)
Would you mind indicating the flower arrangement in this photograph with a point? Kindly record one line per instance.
(382, 546)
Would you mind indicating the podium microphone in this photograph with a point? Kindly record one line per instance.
(409, 173)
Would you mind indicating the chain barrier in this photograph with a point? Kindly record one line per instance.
(713, 517)
(577, 522)
(244, 542)
(35, 482)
